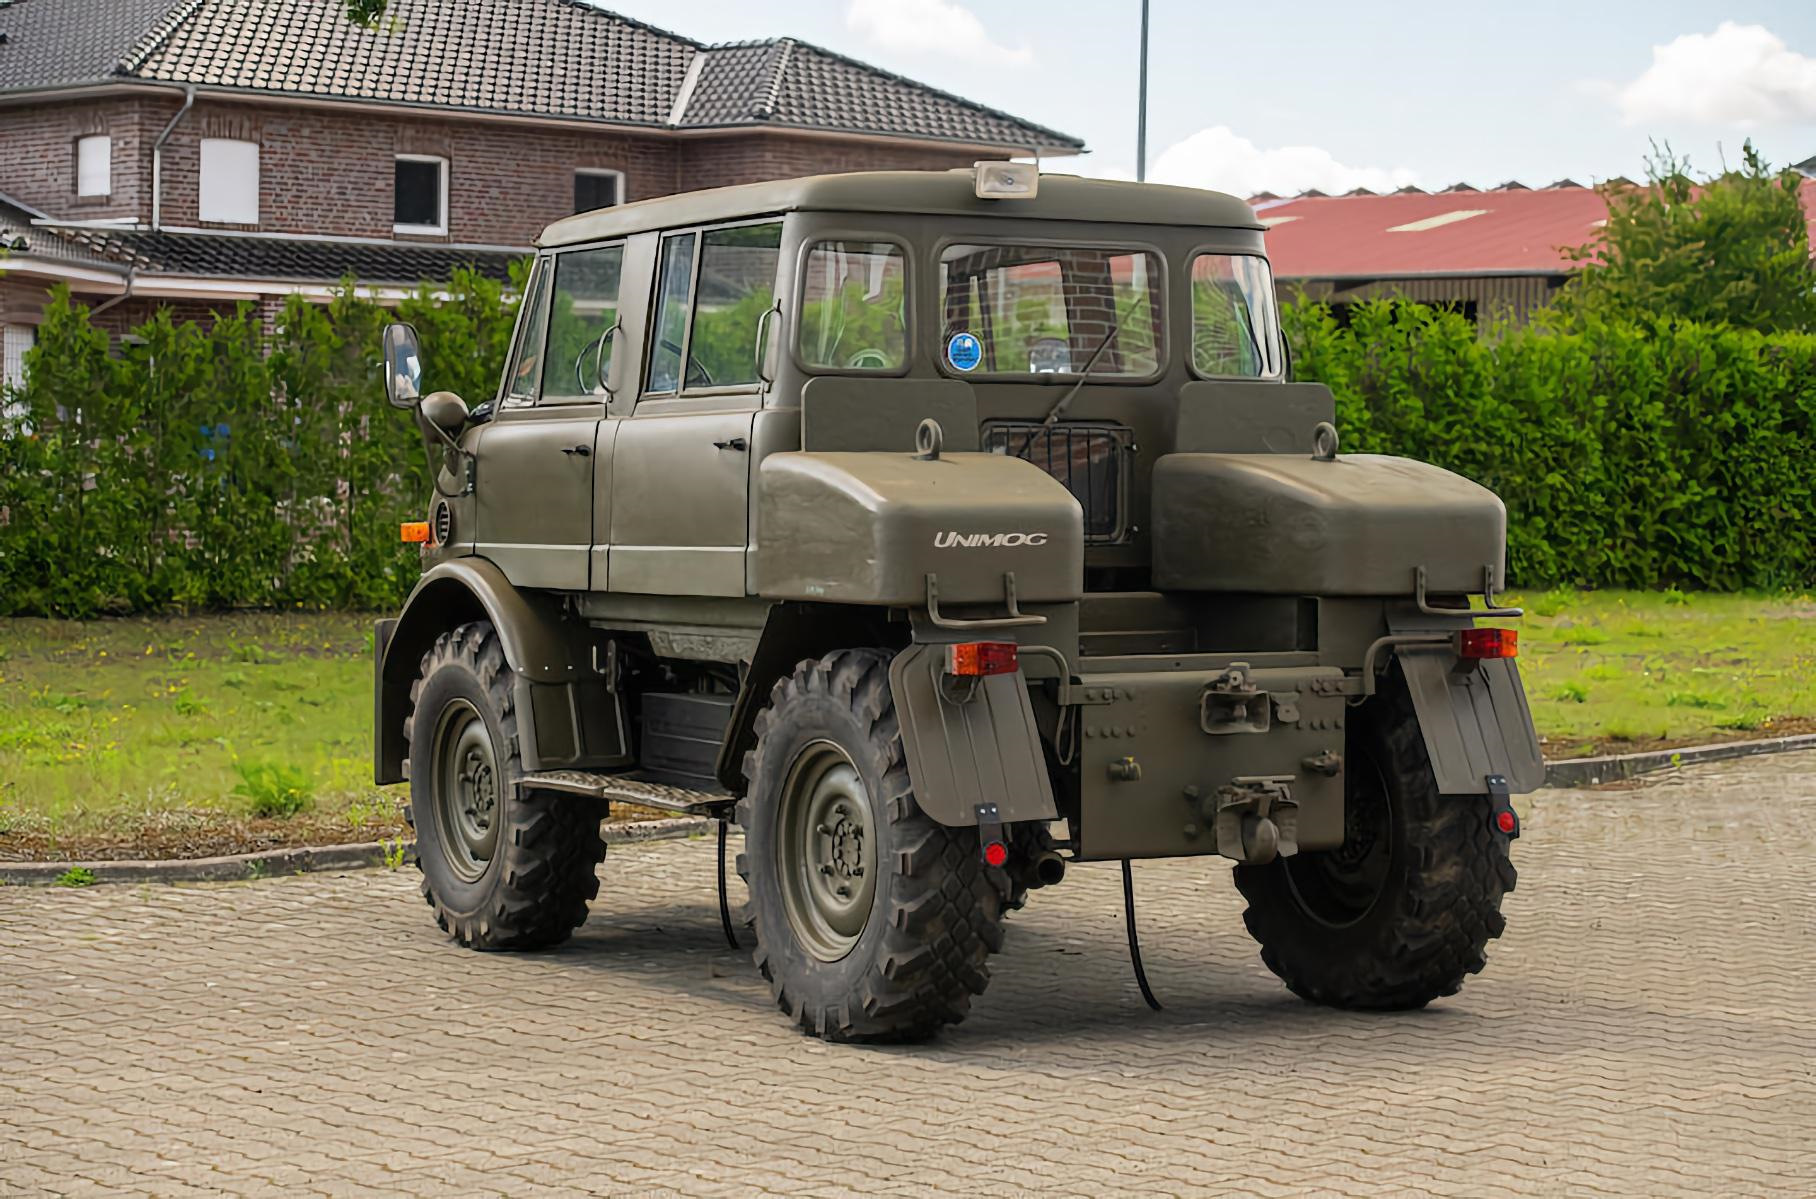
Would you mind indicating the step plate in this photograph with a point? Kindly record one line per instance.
(630, 788)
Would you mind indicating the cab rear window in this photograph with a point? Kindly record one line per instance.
(1235, 325)
(1059, 310)
(852, 315)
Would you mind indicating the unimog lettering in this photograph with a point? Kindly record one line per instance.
(694, 554)
(968, 541)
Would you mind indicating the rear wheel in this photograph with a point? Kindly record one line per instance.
(1401, 912)
(873, 921)
(502, 867)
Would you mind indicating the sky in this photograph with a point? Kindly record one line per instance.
(1284, 97)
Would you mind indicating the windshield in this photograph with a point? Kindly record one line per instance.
(1045, 310)
(1235, 328)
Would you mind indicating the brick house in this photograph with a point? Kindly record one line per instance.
(192, 153)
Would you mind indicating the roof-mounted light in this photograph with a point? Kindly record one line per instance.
(1007, 180)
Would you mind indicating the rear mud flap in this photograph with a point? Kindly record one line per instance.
(985, 750)
(1475, 722)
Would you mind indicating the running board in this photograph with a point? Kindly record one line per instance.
(630, 788)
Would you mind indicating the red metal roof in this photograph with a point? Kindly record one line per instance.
(1513, 231)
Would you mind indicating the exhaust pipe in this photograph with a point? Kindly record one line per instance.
(1043, 870)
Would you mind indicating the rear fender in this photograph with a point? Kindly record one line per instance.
(1475, 721)
(986, 749)
(567, 715)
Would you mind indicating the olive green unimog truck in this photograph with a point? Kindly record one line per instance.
(942, 530)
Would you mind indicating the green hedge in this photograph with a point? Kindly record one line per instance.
(1675, 454)
(226, 464)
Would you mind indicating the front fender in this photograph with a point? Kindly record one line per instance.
(566, 715)
(960, 755)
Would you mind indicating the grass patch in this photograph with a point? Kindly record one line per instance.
(273, 790)
(76, 876)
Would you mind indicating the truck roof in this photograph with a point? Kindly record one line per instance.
(936, 193)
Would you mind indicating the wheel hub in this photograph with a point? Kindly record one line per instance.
(826, 851)
(466, 790)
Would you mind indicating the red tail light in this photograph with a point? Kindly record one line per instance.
(1488, 643)
(972, 659)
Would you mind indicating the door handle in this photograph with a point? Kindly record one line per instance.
(582, 450)
(736, 443)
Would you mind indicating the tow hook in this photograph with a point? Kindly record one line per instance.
(1502, 818)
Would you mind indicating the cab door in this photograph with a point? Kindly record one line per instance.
(539, 457)
(680, 513)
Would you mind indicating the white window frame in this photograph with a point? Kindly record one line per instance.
(86, 171)
(446, 187)
(597, 171)
(219, 210)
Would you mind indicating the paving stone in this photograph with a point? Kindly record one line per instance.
(1646, 1026)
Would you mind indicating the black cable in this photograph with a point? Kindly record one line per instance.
(731, 936)
(1128, 918)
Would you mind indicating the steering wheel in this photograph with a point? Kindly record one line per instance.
(697, 375)
(869, 360)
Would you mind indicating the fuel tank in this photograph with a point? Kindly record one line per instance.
(868, 528)
(1359, 524)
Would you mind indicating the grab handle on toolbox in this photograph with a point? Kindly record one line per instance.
(1418, 595)
(1016, 617)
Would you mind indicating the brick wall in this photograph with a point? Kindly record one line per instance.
(38, 155)
(722, 161)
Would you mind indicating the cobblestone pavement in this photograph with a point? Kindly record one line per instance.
(1646, 1027)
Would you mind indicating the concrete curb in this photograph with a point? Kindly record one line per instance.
(1587, 772)
(269, 863)
(1571, 772)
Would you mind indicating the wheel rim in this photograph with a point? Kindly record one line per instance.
(466, 790)
(1338, 887)
(826, 852)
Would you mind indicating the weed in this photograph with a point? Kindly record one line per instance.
(1643, 630)
(1693, 699)
(1676, 598)
(253, 653)
(273, 789)
(257, 869)
(394, 854)
(1583, 634)
(1745, 722)
(235, 678)
(1554, 602)
(187, 704)
(1572, 692)
(76, 876)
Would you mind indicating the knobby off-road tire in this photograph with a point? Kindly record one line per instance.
(1401, 913)
(501, 870)
(902, 950)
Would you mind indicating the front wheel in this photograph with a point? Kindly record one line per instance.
(503, 867)
(873, 922)
(1402, 911)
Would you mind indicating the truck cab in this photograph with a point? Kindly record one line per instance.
(942, 530)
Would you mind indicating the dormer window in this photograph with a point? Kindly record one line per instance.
(420, 203)
(94, 165)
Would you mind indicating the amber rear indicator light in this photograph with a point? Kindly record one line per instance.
(1477, 644)
(974, 659)
(414, 530)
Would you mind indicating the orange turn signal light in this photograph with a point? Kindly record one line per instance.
(414, 530)
(974, 659)
(1477, 644)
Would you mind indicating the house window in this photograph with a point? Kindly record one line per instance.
(597, 189)
(421, 203)
(15, 340)
(230, 181)
(94, 165)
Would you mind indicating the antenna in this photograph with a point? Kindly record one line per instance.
(1141, 104)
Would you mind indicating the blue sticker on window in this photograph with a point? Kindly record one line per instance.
(964, 351)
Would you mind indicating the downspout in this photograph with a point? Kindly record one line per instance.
(125, 294)
(157, 158)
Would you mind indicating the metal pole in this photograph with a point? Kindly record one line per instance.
(1141, 105)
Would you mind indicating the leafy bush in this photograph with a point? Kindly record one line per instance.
(1629, 455)
(273, 789)
(226, 464)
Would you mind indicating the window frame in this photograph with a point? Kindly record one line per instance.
(621, 244)
(258, 181)
(1161, 288)
(718, 391)
(503, 401)
(446, 176)
(106, 165)
(1278, 371)
(613, 173)
(799, 305)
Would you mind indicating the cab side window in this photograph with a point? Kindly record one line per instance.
(526, 360)
(712, 291)
(583, 319)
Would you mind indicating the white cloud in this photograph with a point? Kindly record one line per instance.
(930, 27)
(1219, 159)
(1740, 75)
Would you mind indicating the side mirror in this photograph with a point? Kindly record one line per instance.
(403, 366)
